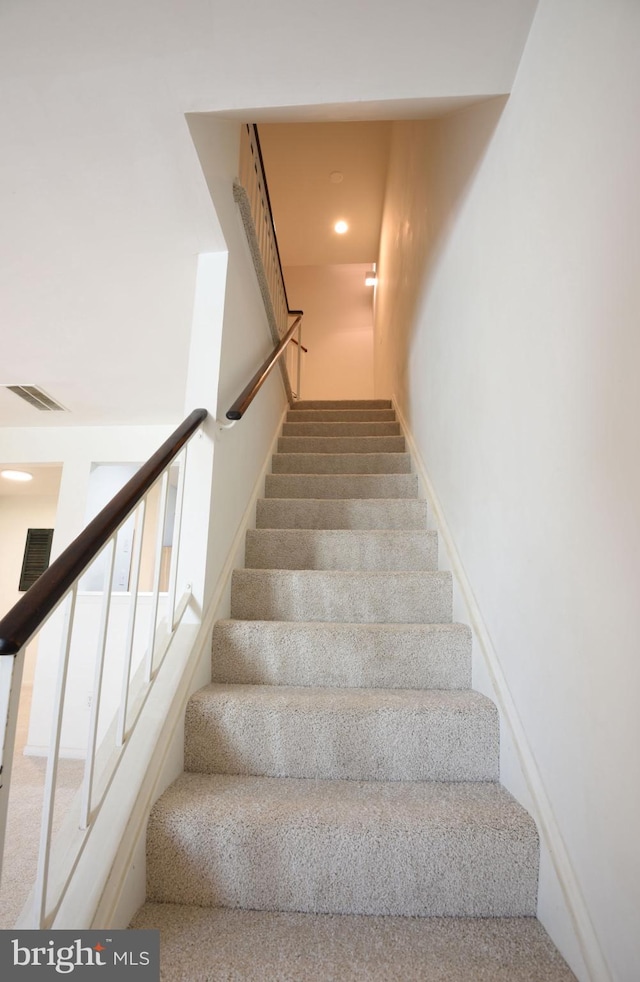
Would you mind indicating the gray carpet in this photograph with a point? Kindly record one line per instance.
(201, 945)
(340, 817)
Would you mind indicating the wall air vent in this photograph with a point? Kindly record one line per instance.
(37, 552)
(36, 398)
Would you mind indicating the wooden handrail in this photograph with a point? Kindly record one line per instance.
(250, 391)
(24, 619)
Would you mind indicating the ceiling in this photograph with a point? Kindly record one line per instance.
(300, 159)
(104, 208)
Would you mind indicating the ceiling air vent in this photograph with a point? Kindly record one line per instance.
(36, 398)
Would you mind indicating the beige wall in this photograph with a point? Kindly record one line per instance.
(337, 329)
(514, 352)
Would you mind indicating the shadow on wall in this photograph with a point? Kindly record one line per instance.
(427, 184)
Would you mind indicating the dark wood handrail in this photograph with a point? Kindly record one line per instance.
(306, 350)
(24, 619)
(250, 391)
(273, 227)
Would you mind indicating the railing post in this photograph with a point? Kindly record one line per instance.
(175, 548)
(131, 628)
(299, 358)
(89, 764)
(157, 570)
(11, 669)
(46, 826)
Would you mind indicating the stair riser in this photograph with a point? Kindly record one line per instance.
(331, 550)
(345, 445)
(341, 404)
(342, 863)
(343, 514)
(341, 416)
(249, 735)
(352, 597)
(353, 429)
(341, 486)
(344, 655)
(341, 463)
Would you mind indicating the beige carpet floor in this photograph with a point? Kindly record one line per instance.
(218, 945)
(25, 812)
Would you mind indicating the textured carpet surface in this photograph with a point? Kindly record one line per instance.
(342, 416)
(335, 428)
(354, 596)
(200, 945)
(340, 815)
(341, 486)
(345, 513)
(324, 443)
(352, 734)
(362, 549)
(341, 404)
(373, 847)
(427, 656)
(341, 463)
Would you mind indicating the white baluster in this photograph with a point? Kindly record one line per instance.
(42, 874)
(90, 760)
(131, 626)
(153, 626)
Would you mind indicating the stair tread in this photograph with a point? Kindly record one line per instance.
(221, 945)
(335, 700)
(405, 627)
(407, 805)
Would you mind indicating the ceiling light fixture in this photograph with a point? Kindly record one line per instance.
(341, 227)
(17, 475)
(371, 278)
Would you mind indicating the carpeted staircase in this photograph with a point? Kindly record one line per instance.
(339, 764)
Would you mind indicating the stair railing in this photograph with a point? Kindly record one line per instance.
(57, 588)
(251, 192)
(250, 391)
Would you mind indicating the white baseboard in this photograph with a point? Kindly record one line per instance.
(551, 836)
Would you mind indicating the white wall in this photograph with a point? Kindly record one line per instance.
(17, 514)
(104, 210)
(517, 369)
(337, 329)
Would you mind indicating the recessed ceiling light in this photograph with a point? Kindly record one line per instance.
(17, 475)
(341, 227)
(336, 177)
(370, 278)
